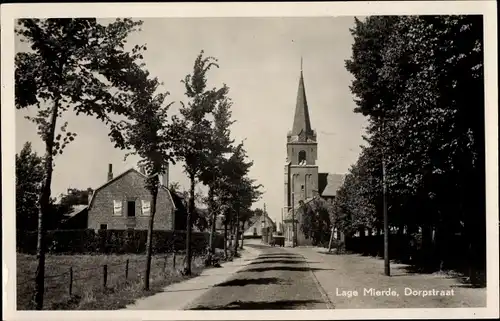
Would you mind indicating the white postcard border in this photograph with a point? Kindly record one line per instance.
(10, 12)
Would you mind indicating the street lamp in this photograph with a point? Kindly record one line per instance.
(262, 228)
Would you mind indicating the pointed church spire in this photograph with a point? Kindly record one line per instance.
(301, 121)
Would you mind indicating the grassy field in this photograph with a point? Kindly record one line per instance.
(88, 292)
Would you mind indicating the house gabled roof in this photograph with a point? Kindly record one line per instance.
(253, 219)
(120, 176)
(77, 209)
(267, 217)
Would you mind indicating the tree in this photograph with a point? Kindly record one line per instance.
(147, 134)
(249, 192)
(175, 187)
(74, 197)
(220, 146)
(240, 189)
(192, 133)
(246, 216)
(419, 79)
(29, 178)
(315, 216)
(75, 64)
(199, 216)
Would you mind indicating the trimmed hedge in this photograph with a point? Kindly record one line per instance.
(89, 241)
(402, 247)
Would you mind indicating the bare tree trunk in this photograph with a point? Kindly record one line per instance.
(187, 266)
(149, 244)
(213, 213)
(237, 234)
(44, 201)
(427, 246)
(242, 234)
(225, 239)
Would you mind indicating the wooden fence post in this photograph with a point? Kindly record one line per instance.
(70, 280)
(105, 275)
(173, 259)
(126, 269)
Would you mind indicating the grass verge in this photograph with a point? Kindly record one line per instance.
(87, 289)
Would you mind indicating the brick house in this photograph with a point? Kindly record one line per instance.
(124, 202)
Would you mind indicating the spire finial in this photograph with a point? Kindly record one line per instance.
(301, 60)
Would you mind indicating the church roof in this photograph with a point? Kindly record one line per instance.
(301, 120)
(333, 183)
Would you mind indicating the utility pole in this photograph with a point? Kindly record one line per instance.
(387, 267)
(294, 232)
(331, 239)
(264, 231)
(282, 227)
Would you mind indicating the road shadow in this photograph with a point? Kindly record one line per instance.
(281, 254)
(260, 305)
(243, 282)
(269, 261)
(283, 268)
(266, 257)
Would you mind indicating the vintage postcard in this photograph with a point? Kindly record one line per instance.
(291, 160)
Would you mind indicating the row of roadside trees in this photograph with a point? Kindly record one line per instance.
(81, 66)
(419, 80)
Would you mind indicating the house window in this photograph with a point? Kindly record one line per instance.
(146, 207)
(117, 208)
(131, 208)
(103, 227)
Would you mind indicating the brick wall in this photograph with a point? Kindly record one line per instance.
(129, 187)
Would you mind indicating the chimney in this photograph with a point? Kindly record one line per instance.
(110, 172)
(164, 178)
(89, 191)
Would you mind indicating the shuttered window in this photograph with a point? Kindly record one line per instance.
(117, 208)
(146, 207)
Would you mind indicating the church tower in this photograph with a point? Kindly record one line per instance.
(301, 171)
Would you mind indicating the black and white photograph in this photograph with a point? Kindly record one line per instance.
(181, 161)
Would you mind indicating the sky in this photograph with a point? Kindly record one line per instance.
(259, 60)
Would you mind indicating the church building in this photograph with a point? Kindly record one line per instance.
(303, 181)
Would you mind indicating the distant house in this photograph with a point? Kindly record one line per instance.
(257, 224)
(124, 202)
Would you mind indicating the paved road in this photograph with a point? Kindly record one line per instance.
(277, 279)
